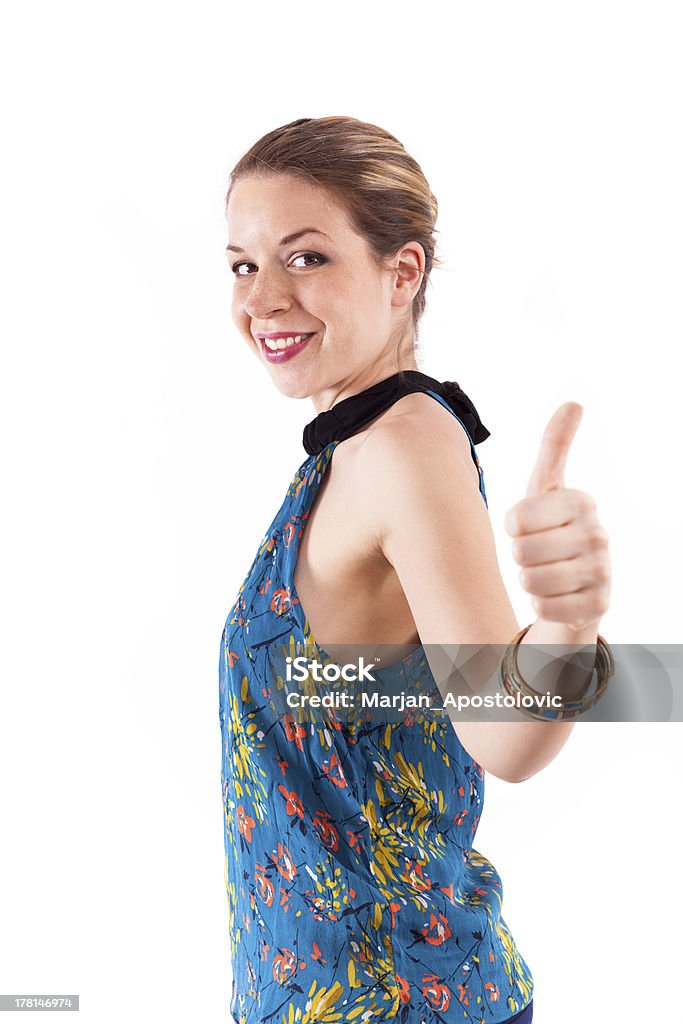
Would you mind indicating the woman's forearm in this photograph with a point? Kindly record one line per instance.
(514, 751)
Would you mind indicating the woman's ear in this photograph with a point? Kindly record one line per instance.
(408, 266)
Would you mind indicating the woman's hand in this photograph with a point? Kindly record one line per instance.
(559, 542)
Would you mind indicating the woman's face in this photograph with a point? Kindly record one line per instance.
(301, 269)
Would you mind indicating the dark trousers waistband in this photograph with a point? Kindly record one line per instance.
(524, 1016)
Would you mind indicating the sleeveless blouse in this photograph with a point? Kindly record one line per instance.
(354, 891)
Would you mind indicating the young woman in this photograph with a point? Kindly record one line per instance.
(354, 891)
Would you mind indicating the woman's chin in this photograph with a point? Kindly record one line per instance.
(291, 385)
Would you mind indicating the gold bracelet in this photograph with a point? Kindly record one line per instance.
(517, 687)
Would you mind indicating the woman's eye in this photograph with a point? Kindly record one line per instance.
(237, 269)
(310, 255)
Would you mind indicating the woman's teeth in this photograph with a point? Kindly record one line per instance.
(277, 343)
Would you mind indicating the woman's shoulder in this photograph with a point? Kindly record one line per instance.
(417, 436)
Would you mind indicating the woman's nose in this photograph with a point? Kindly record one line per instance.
(267, 296)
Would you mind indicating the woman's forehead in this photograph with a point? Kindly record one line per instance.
(280, 205)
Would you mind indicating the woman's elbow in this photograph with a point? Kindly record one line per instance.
(507, 775)
(514, 752)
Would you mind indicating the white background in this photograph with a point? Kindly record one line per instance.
(145, 451)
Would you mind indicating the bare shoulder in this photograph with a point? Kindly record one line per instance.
(416, 439)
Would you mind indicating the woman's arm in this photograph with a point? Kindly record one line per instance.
(431, 523)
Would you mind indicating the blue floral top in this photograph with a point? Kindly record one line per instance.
(354, 891)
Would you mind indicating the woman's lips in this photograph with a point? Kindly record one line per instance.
(283, 354)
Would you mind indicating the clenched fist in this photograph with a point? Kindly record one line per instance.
(558, 539)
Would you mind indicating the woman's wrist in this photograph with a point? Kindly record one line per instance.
(544, 632)
(555, 657)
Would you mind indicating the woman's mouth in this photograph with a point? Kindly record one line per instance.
(285, 346)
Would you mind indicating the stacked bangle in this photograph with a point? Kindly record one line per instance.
(514, 684)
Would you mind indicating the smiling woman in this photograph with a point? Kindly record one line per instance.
(354, 890)
(334, 298)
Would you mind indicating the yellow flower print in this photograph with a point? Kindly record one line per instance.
(321, 1006)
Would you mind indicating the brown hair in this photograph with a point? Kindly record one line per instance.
(368, 171)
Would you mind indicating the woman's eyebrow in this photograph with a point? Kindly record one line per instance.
(286, 240)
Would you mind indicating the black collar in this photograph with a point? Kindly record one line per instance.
(348, 416)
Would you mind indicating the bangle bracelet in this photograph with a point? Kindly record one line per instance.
(516, 686)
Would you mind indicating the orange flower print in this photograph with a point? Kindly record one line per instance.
(403, 989)
(317, 906)
(265, 586)
(282, 601)
(493, 991)
(413, 874)
(232, 658)
(437, 931)
(293, 731)
(284, 863)
(335, 772)
(288, 533)
(436, 992)
(264, 886)
(448, 889)
(355, 841)
(394, 908)
(317, 955)
(460, 817)
(463, 995)
(284, 965)
(329, 836)
(245, 823)
(240, 605)
(292, 802)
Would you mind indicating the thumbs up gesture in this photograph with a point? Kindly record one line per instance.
(558, 540)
